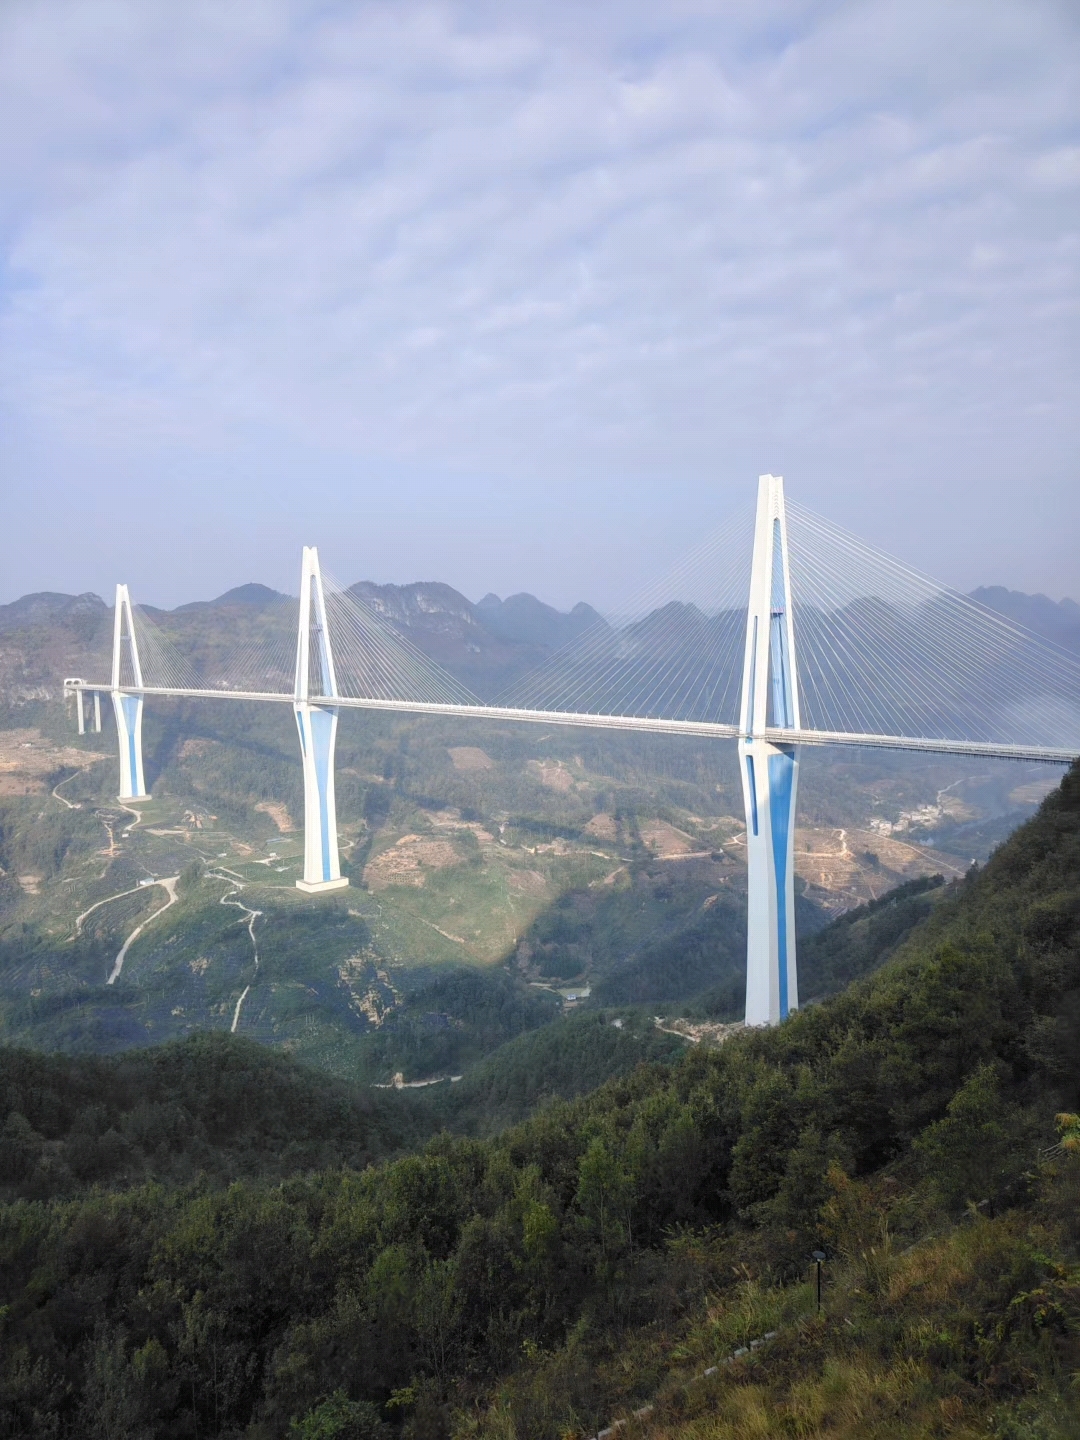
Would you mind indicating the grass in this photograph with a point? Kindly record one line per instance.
(971, 1333)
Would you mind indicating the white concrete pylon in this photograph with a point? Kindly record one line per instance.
(770, 696)
(127, 708)
(317, 724)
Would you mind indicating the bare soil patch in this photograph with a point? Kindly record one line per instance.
(602, 827)
(26, 758)
(470, 757)
(712, 1032)
(1035, 791)
(528, 882)
(278, 813)
(192, 749)
(553, 774)
(451, 820)
(863, 864)
(664, 840)
(406, 862)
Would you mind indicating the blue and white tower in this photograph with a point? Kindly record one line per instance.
(317, 724)
(770, 772)
(127, 706)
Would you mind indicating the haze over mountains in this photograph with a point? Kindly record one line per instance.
(486, 643)
(49, 635)
(1058, 621)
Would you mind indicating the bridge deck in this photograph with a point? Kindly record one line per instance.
(649, 724)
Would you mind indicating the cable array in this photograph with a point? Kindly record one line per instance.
(672, 650)
(255, 653)
(164, 666)
(883, 649)
(373, 660)
(262, 658)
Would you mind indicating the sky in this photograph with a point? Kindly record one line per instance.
(527, 295)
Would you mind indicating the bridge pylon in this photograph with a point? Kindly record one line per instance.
(317, 723)
(770, 772)
(127, 707)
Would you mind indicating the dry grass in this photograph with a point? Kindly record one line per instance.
(850, 1399)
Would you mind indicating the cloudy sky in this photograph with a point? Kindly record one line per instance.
(526, 295)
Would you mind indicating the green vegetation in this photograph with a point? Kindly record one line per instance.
(612, 1247)
(557, 1062)
(865, 937)
(450, 1020)
(566, 859)
(212, 1108)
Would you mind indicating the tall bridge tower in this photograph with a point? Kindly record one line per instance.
(127, 703)
(317, 723)
(770, 772)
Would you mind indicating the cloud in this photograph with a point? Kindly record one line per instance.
(569, 250)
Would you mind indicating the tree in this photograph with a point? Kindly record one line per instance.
(971, 1154)
(339, 1418)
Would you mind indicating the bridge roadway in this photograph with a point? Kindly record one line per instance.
(647, 723)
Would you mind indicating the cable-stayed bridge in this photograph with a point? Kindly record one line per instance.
(780, 630)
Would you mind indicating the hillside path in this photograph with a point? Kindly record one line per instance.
(71, 804)
(170, 890)
(232, 879)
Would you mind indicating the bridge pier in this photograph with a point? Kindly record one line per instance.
(316, 722)
(127, 706)
(770, 772)
(770, 776)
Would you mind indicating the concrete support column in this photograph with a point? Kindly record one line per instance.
(770, 772)
(127, 706)
(316, 722)
(770, 776)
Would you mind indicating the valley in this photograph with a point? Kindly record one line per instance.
(564, 862)
(600, 1225)
(543, 872)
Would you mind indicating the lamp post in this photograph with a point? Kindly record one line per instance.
(819, 1256)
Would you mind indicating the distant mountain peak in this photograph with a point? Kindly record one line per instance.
(1054, 620)
(522, 617)
(45, 607)
(250, 594)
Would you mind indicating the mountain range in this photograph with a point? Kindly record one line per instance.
(46, 635)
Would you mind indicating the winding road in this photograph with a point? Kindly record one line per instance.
(170, 890)
(231, 878)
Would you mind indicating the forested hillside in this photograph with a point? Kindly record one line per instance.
(214, 1107)
(612, 1248)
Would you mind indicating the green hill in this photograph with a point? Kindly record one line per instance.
(214, 1107)
(555, 1062)
(614, 1247)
